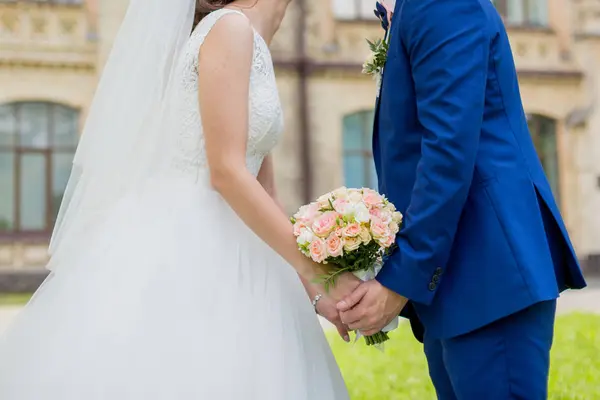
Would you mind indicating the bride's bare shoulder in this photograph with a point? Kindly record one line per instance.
(231, 35)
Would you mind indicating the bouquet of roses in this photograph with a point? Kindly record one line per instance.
(352, 230)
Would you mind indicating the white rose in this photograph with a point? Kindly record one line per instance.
(355, 196)
(347, 210)
(305, 237)
(361, 213)
(340, 193)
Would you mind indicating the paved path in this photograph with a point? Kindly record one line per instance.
(587, 300)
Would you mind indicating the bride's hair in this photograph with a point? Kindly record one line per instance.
(205, 7)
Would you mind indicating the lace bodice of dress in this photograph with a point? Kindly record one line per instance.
(265, 113)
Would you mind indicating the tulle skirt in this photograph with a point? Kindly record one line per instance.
(172, 298)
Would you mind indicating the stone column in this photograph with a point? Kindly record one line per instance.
(559, 17)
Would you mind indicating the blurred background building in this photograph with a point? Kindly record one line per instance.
(52, 53)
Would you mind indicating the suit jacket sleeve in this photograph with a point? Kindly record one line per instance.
(448, 44)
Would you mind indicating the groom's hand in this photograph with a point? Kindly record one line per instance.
(370, 308)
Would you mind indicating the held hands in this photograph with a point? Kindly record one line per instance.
(370, 308)
(327, 305)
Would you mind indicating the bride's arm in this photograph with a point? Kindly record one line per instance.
(266, 177)
(224, 74)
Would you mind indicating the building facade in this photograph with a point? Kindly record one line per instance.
(52, 52)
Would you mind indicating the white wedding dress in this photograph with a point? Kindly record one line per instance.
(174, 298)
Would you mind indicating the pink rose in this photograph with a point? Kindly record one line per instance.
(307, 213)
(341, 205)
(324, 224)
(318, 250)
(386, 217)
(352, 230)
(371, 198)
(335, 246)
(375, 212)
(339, 231)
(298, 227)
(379, 229)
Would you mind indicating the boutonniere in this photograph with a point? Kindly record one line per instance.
(379, 48)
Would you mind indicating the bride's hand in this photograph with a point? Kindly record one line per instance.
(345, 284)
(327, 308)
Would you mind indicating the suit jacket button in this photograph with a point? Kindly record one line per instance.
(436, 279)
(438, 271)
(432, 286)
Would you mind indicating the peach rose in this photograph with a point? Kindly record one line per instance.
(365, 235)
(397, 217)
(394, 228)
(386, 241)
(352, 244)
(324, 224)
(371, 198)
(335, 246)
(318, 250)
(379, 229)
(323, 201)
(352, 230)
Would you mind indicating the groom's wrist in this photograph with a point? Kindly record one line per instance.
(411, 283)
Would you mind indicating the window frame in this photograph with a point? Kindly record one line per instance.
(529, 20)
(50, 149)
(359, 15)
(366, 151)
(541, 128)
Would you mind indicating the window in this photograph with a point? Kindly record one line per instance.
(543, 132)
(523, 12)
(359, 168)
(353, 9)
(37, 144)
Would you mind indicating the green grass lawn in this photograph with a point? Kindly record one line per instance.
(400, 373)
(14, 299)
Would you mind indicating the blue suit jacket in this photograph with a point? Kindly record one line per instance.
(482, 236)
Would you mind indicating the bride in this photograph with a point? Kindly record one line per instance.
(175, 275)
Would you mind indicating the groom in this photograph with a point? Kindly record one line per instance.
(483, 253)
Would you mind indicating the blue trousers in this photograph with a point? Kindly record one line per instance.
(506, 360)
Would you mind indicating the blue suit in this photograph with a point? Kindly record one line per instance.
(483, 251)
